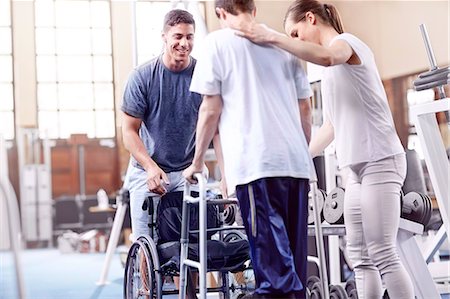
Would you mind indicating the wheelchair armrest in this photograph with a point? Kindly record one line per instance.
(148, 205)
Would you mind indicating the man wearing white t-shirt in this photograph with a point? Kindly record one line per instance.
(257, 97)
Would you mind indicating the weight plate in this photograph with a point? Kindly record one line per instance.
(350, 285)
(429, 209)
(435, 72)
(229, 214)
(425, 208)
(311, 281)
(333, 208)
(413, 207)
(316, 291)
(353, 294)
(321, 199)
(337, 292)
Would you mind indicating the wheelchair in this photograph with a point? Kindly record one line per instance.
(151, 259)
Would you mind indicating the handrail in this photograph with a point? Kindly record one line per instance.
(318, 233)
(12, 212)
(12, 215)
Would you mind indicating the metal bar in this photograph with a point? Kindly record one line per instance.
(112, 243)
(426, 40)
(412, 259)
(319, 235)
(436, 243)
(221, 201)
(333, 241)
(184, 240)
(202, 227)
(190, 199)
(192, 263)
(14, 232)
(201, 265)
(431, 57)
(219, 229)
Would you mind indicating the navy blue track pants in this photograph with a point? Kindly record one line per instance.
(275, 212)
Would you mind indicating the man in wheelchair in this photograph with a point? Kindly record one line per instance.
(158, 127)
(159, 118)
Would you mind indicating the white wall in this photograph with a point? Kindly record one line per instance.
(390, 28)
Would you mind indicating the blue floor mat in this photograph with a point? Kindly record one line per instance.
(49, 274)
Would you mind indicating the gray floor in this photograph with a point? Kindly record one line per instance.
(48, 274)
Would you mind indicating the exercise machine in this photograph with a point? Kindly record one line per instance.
(35, 186)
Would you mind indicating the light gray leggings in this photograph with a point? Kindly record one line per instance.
(372, 214)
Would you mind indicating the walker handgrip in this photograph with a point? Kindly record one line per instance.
(195, 177)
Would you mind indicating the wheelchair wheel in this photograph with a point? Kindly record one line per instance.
(234, 235)
(142, 279)
(242, 282)
(157, 277)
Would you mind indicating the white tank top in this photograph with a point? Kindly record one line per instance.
(356, 104)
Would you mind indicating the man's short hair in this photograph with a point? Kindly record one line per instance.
(177, 16)
(236, 6)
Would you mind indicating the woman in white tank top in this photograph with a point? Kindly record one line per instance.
(358, 118)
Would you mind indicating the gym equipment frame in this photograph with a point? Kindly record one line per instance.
(12, 216)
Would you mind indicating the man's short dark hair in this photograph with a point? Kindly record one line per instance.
(177, 16)
(236, 6)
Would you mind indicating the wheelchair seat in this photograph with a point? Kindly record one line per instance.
(222, 256)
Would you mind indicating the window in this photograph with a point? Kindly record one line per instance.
(149, 23)
(416, 98)
(74, 68)
(6, 73)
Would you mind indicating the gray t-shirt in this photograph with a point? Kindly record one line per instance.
(169, 111)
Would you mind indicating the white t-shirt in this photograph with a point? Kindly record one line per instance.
(356, 104)
(260, 128)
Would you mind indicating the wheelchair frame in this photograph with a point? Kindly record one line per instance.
(143, 271)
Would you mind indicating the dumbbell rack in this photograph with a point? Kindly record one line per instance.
(424, 117)
(409, 253)
(427, 127)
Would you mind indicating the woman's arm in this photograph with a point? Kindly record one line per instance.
(321, 139)
(338, 53)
